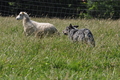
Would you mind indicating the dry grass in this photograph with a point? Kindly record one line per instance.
(57, 58)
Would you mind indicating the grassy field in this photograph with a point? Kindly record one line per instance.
(57, 58)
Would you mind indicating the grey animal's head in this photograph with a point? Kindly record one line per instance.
(70, 27)
(22, 15)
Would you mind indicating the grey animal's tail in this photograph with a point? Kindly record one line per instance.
(89, 38)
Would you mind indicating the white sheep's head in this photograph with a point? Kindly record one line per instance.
(22, 15)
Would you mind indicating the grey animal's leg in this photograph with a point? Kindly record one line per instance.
(90, 40)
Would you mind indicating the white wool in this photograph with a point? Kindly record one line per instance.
(42, 25)
(33, 27)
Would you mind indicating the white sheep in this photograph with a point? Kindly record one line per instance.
(36, 28)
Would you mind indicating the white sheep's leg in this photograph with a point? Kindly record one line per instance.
(39, 34)
(29, 31)
(24, 33)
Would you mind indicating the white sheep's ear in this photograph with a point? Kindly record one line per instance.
(29, 14)
(23, 12)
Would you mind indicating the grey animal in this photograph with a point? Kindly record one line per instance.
(84, 35)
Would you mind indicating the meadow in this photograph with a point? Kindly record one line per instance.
(58, 58)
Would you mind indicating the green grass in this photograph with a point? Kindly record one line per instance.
(57, 58)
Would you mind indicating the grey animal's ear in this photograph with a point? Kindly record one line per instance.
(76, 26)
(70, 25)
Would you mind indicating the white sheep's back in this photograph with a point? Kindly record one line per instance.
(45, 28)
(42, 25)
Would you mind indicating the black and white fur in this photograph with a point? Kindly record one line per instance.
(83, 35)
